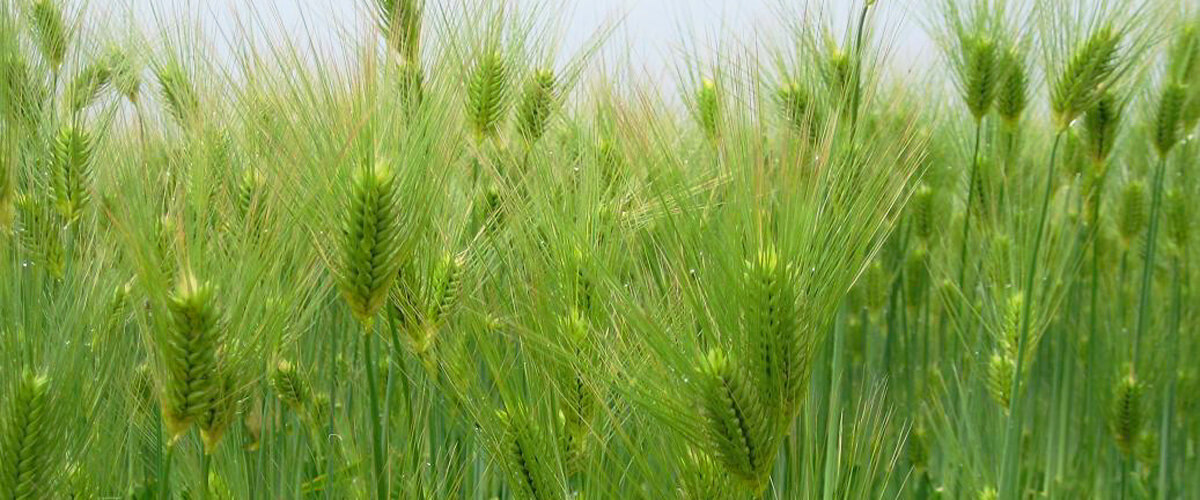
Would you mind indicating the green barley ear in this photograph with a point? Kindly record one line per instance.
(400, 21)
(1100, 125)
(579, 405)
(291, 387)
(708, 108)
(527, 459)
(1183, 59)
(1179, 219)
(735, 422)
(250, 191)
(125, 75)
(141, 389)
(1012, 92)
(487, 94)
(1086, 76)
(412, 84)
(40, 233)
(989, 493)
(982, 70)
(189, 354)
(1127, 414)
(22, 93)
(1000, 371)
(178, 92)
(72, 175)
(369, 242)
(1167, 121)
(119, 307)
(916, 276)
(924, 212)
(86, 87)
(222, 410)
(704, 479)
(797, 106)
(537, 104)
(447, 286)
(772, 327)
(877, 284)
(50, 31)
(27, 448)
(1131, 213)
(837, 70)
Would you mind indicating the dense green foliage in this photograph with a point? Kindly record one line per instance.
(454, 263)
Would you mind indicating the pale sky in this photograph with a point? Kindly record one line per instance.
(651, 32)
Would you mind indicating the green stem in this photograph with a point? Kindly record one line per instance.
(333, 351)
(1009, 474)
(164, 480)
(204, 465)
(966, 236)
(376, 423)
(1143, 316)
(856, 78)
(833, 428)
(1168, 411)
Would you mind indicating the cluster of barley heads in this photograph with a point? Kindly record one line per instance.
(447, 259)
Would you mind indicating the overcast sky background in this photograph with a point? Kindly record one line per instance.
(650, 34)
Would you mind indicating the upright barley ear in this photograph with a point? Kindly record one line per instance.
(529, 462)
(708, 108)
(125, 76)
(178, 91)
(23, 94)
(1179, 219)
(369, 243)
(770, 319)
(924, 212)
(1132, 212)
(704, 479)
(1127, 414)
(447, 286)
(50, 31)
(837, 70)
(487, 94)
(1002, 365)
(412, 84)
(537, 104)
(291, 387)
(980, 79)
(877, 284)
(28, 454)
(738, 429)
(916, 276)
(250, 191)
(117, 313)
(1000, 370)
(1012, 92)
(40, 233)
(72, 174)
(1100, 125)
(1167, 121)
(796, 104)
(1086, 76)
(189, 354)
(579, 404)
(400, 21)
(86, 86)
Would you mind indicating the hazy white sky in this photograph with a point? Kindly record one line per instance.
(650, 31)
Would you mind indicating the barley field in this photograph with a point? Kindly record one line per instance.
(451, 261)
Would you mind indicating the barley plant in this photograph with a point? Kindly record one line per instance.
(444, 257)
